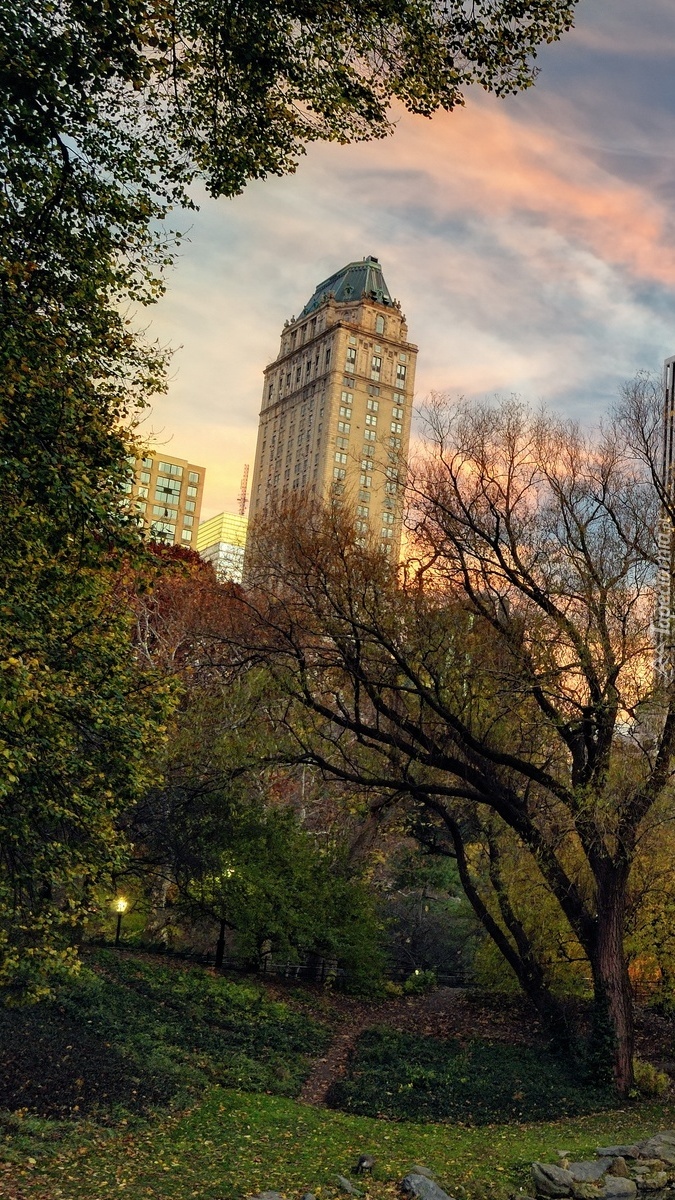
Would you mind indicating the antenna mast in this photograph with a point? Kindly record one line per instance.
(242, 491)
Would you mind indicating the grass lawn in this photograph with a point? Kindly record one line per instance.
(233, 1144)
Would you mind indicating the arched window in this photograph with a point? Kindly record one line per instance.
(379, 324)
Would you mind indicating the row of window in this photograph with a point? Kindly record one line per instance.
(166, 469)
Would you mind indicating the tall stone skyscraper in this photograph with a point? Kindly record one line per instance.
(335, 415)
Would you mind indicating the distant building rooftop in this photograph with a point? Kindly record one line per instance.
(351, 283)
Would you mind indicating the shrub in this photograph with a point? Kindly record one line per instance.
(419, 982)
(649, 1081)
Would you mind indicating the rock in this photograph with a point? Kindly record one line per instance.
(366, 1163)
(589, 1172)
(347, 1185)
(619, 1167)
(267, 1196)
(416, 1169)
(661, 1145)
(618, 1151)
(654, 1182)
(619, 1189)
(309, 1196)
(551, 1181)
(586, 1191)
(423, 1187)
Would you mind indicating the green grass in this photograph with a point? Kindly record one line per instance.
(232, 1145)
(129, 1035)
(406, 1077)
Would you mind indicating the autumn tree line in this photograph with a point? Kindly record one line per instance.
(492, 699)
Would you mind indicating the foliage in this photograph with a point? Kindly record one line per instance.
(649, 1082)
(234, 1145)
(130, 1034)
(419, 982)
(422, 1079)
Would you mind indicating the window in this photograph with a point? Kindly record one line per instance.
(193, 477)
(361, 526)
(341, 458)
(372, 390)
(187, 535)
(344, 426)
(373, 405)
(190, 506)
(400, 375)
(403, 358)
(339, 473)
(387, 518)
(366, 464)
(347, 397)
(385, 548)
(192, 491)
(145, 476)
(369, 450)
(342, 442)
(293, 338)
(364, 496)
(362, 511)
(397, 413)
(379, 324)
(165, 493)
(391, 488)
(398, 398)
(147, 462)
(345, 411)
(370, 435)
(375, 366)
(328, 357)
(395, 442)
(395, 427)
(366, 481)
(352, 341)
(188, 522)
(270, 391)
(171, 469)
(370, 419)
(350, 364)
(163, 530)
(158, 510)
(126, 487)
(141, 506)
(386, 533)
(143, 492)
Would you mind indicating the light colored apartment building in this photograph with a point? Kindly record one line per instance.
(221, 541)
(336, 407)
(168, 492)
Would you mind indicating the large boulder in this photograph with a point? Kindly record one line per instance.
(660, 1146)
(617, 1188)
(589, 1172)
(631, 1151)
(422, 1187)
(550, 1180)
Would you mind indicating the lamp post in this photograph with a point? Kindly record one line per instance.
(121, 906)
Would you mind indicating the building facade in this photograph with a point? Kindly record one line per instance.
(221, 541)
(168, 492)
(336, 406)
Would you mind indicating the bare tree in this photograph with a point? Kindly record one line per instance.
(507, 666)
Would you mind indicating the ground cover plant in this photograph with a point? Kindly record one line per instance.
(405, 1077)
(234, 1144)
(133, 1034)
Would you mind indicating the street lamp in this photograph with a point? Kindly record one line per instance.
(121, 906)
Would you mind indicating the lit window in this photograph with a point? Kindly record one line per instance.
(187, 535)
(192, 491)
(366, 464)
(342, 443)
(344, 411)
(350, 364)
(338, 473)
(366, 481)
(398, 398)
(370, 419)
(370, 435)
(171, 469)
(193, 477)
(396, 427)
(386, 533)
(400, 375)
(344, 426)
(397, 413)
(341, 458)
(373, 405)
(375, 367)
(347, 397)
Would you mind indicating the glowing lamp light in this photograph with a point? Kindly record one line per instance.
(121, 905)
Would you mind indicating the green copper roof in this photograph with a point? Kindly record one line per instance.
(351, 283)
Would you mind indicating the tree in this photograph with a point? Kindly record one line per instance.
(507, 668)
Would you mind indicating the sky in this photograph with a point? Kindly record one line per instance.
(531, 242)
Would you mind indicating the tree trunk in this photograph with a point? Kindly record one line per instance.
(613, 997)
(220, 947)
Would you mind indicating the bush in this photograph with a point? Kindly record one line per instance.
(420, 982)
(649, 1081)
(410, 1078)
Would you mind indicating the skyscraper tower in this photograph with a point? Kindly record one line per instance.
(336, 406)
(664, 617)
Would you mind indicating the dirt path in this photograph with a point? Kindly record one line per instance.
(334, 1064)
